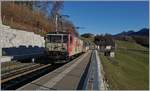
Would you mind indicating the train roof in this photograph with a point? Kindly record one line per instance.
(61, 32)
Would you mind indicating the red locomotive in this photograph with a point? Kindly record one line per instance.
(61, 46)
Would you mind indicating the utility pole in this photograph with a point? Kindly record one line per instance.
(61, 21)
(56, 22)
(57, 5)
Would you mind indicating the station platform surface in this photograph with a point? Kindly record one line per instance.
(66, 77)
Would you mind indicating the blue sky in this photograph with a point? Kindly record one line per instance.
(99, 17)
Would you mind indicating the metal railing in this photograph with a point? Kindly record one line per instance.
(94, 78)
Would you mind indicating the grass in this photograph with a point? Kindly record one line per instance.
(129, 70)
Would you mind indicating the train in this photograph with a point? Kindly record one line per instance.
(60, 47)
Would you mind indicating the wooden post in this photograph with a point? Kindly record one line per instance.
(0, 14)
(0, 29)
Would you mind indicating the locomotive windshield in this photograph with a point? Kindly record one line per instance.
(57, 38)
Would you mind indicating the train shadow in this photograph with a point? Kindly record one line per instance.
(32, 54)
(23, 52)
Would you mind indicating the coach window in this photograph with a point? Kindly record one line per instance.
(57, 39)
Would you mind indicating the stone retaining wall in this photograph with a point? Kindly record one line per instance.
(14, 38)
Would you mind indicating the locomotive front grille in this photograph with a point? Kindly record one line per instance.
(57, 55)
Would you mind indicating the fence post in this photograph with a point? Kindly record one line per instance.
(0, 14)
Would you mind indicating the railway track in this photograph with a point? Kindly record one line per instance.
(23, 74)
(13, 80)
(15, 66)
(18, 71)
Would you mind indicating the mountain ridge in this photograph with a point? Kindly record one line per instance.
(142, 32)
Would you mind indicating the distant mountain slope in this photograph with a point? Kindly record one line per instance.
(142, 32)
(124, 33)
(140, 37)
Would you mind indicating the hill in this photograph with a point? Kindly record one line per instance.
(141, 37)
(129, 70)
(124, 33)
(142, 32)
(87, 35)
(27, 16)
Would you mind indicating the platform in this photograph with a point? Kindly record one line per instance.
(64, 78)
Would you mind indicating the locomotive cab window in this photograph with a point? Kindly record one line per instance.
(54, 38)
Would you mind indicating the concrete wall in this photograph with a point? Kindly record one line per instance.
(18, 42)
(15, 38)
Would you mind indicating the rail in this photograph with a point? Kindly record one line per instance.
(24, 72)
(18, 71)
(14, 67)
